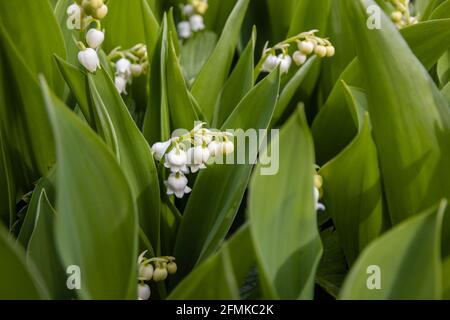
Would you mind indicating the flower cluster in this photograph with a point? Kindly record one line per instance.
(318, 192)
(81, 15)
(401, 15)
(156, 269)
(128, 63)
(190, 153)
(192, 14)
(307, 43)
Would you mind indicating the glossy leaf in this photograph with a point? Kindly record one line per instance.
(287, 258)
(96, 224)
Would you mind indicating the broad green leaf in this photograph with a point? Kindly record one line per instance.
(19, 280)
(446, 92)
(42, 250)
(209, 82)
(7, 185)
(308, 15)
(414, 174)
(96, 226)
(406, 260)
(37, 36)
(221, 275)
(280, 14)
(182, 111)
(353, 194)
(156, 121)
(206, 220)
(237, 85)
(284, 201)
(195, 52)
(151, 27)
(45, 184)
(22, 115)
(443, 68)
(442, 11)
(217, 14)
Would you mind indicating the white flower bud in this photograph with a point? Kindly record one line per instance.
(184, 30)
(89, 59)
(188, 10)
(197, 23)
(320, 51)
(396, 16)
(201, 155)
(101, 12)
(94, 38)
(330, 51)
(299, 58)
(215, 148)
(172, 267)
(121, 84)
(306, 47)
(160, 148)
(160, 274)
(285, 64)
(145, 272)
(136, 70)
(143, 291)
(271, 63)
(200, 6)
(123, 67)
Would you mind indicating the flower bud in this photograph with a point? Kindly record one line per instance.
(94, 38)
(136, 70)
(306, 47)
(184, 30)
(215, 148)
(396, 16)
(330, 51)
(145, 272)
(123, 67)
(299, 58)
(143, 291)
(271, 63)
(320, 51)
(285, 64)
(89, 59)
(196, 22)
(121, 84)
(201, 155)
(160, 148)
(160, 274)
(172, 267)
(100, 13)
(188, 10)
(227, 147)
(200, 6)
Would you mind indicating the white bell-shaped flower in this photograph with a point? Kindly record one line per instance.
(145, 272)
(188, 10)
(136, 70)
(193, 165)
(320, 51)
(89, 59)
(201, 154)
(319, 206)
(160, 148)
(270, 63)
(176, 161)
(286, 62)
(215, 148)
(123, 67)
(227, 147)
(121, 84)
(197, 23)
(94, 38)
(143, 291)
(184, 30)
(177, 185)
(299, 58)
(101, 12)
(74, 17)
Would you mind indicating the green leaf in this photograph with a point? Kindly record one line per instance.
(19, 280)
(414, 174)
(42, 250)
(238, 84)
(287, 258)
(209, 82)
(442, 11)
(151, 27)
(196, 51)
(45, 184)
(206, 221)
(7, 186)
(221, 275)
(68, 35)
(408, 258)
(37, 36)
(96, 227)
(353, 194)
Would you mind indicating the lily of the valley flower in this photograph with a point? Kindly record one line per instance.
(200, 6)
(123, 68)
(285, 63)
(160, 148)
(94, 38)
(299, 58)
(89, 59)
(196, 22)
(143, 291)
(271, 63)
(176, 161)
(177, 185)
(121, 84)
(184, 30)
